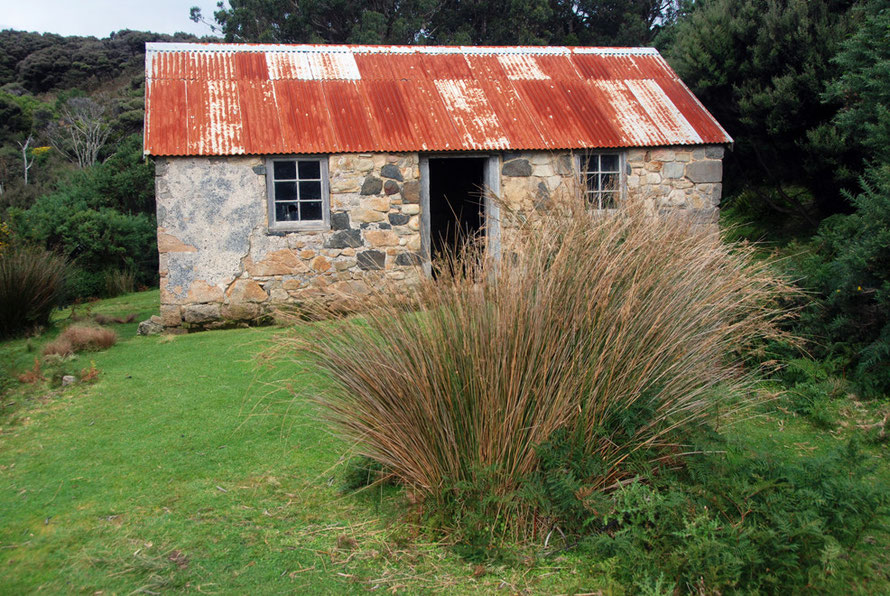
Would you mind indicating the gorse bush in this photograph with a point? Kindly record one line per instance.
(616, 330)
(32, 282)
(741, 522)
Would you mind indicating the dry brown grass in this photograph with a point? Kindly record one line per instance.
(58, 347)
(624, 329)
(82, 338)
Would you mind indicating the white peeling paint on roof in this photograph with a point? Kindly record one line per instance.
(288, 65)
(663, 112)
(467, 104)
(521, 67)
(635, 127)
(333, 66)
(223, 136)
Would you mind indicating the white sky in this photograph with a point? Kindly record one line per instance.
(101, 17)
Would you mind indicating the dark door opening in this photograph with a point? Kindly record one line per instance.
(457, 202)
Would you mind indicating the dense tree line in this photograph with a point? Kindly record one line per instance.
(463, 22)
(72, 175)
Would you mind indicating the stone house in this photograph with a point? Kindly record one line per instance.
(295, 172)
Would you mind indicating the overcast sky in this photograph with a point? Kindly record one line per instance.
(101, 17)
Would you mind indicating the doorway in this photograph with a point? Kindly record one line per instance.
(457, 205)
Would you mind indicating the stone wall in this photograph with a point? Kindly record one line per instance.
(220, 263)
(688, 178)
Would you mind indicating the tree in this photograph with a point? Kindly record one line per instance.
(849, 268)
(863, 86)
(81, 132)
(26, 163)
(495, 22)
(762, 67)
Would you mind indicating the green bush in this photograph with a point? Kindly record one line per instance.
(98, 242)
(101, 219)
(32, 282)
(742, 522)
(848, 269)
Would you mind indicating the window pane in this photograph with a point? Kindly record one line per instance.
(285, 170)
(285, 191)
(609, 200)
(588, 163)
(609, 163)
(310, 191)
(310, 170)
(609, 182)
(310, 210)
(286, 212)
(593, 182)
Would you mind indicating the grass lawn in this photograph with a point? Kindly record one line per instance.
(188, 465)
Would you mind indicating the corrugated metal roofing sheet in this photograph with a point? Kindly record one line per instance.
(228, 99)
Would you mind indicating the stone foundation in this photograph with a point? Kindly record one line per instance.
(220, 262)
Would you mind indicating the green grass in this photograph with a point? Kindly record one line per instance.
(179, 469)
(188, 466)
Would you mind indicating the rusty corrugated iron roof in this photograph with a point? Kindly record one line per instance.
(229, 99)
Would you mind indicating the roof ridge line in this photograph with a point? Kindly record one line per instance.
(395, 49)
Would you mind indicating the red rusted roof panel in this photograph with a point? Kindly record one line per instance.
(391, 112)
(226, 99)
(166, 131)
(251, 67)
(436, 130)
(260, 116)
(547, 105)
(445, 66)
(558, 67)
(519, 127)
(304, 117)
(375, 66)
(351, 118)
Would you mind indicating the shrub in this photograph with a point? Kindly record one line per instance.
(741, 522)
(82, 338)
(32, 281)
(614, 329)
(849, 271)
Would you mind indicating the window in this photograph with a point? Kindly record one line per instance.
(604, 182)
(298, 193)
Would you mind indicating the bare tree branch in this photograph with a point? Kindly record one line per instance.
(81, 132)
(27, 163)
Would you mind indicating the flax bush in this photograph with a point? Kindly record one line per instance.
(32, 282)
(620, 331)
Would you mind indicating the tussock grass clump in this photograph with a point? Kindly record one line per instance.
(618, 331)
(79, 338)
(119, 282)
(58, 347)
(32, 282)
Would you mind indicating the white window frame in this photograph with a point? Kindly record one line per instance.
(622, 179)
(309, 225)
